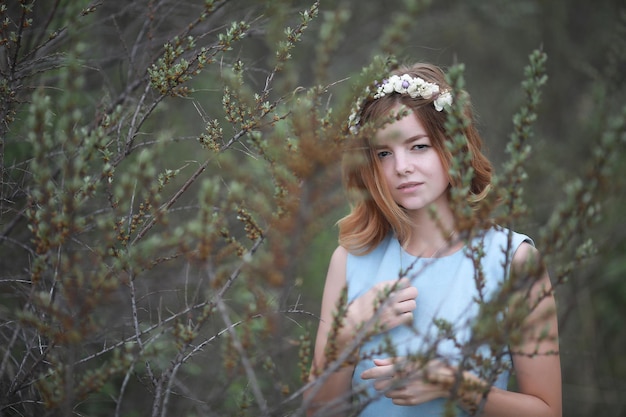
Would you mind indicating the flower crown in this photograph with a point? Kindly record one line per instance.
(414, 87)
(404, 84)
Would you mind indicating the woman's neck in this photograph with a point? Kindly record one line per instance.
(432, 235)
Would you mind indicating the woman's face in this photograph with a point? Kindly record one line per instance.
(411, 166)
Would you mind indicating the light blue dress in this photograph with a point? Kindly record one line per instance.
(447, 292)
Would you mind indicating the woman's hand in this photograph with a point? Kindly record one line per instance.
(392, 302)
(408, 383)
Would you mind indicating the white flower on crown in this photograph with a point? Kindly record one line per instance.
(444, 99)
(387, 88)
(427, 90)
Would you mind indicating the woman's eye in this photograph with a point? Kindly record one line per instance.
(420, 146)
(382, 154)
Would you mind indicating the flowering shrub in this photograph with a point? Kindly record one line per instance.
(169, 186)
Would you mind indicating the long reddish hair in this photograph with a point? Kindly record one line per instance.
(374, 213)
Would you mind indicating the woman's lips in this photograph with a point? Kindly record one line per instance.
(408, 186)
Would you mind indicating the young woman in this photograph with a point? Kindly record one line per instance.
(438, 309)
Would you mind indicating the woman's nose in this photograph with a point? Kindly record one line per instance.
(403, 164)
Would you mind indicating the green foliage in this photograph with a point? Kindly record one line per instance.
(169, 179)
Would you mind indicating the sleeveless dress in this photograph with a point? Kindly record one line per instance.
(447, 292)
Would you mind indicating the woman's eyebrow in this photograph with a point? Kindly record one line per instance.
(416, 137)
(405, 141)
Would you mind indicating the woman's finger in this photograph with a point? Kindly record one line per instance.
(401, 318)
(383, 369)
(384, 361)
(408, 293)
(383, 384)
(378, 372)
(405, 306)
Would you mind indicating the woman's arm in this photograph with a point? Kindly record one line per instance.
(336, 386)
(391, 303)
(536, 360)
